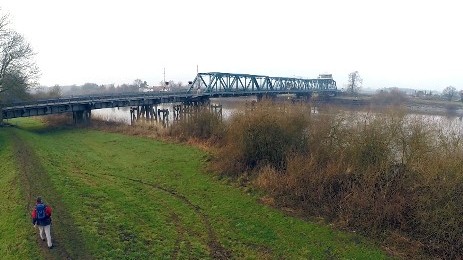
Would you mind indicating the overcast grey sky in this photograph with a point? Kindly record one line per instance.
(392, 43)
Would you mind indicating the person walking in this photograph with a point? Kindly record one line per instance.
(41, 217)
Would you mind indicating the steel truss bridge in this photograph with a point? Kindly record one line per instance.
(216, 82)
(203, 87)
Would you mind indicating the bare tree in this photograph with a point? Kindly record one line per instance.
(55, 91)
(354, 83)
(142, 85)
(449, 92)
(3, 23)
(18, 70)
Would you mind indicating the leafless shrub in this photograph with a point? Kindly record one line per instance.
(203, 125)
(380, 174)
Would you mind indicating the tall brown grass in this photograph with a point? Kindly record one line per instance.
(388, 175)
(203, 125)
(263, 135)
(381, 174)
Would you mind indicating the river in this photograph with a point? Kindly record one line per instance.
(122, 114)
(233, 104)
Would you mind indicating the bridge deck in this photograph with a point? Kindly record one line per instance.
(205, 85)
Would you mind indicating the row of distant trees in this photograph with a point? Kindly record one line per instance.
(355, 82)
(137, 85)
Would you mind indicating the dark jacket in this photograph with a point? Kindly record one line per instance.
(42, 222)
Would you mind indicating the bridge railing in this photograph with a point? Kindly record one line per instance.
(71, 99)
(213, 84)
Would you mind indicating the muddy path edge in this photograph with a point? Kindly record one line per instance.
(68, 241)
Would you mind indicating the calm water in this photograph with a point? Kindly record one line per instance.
(122, 114)
(231, 105)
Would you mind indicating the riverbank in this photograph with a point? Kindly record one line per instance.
(381, 173)
(324, 165)
(135, 197)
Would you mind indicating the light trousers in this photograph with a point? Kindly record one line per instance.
(47, 234)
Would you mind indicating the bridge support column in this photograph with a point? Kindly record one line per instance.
(216, 109)
(150, 112)
(177, 112)
(163, 114)
(142, 111)
(82, 117)
(133, 113)
(147, 111)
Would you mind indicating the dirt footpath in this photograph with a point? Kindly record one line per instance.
(67, 240)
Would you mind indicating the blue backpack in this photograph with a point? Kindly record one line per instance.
(41, 211)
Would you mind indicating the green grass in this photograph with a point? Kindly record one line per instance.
(136, 198)
(16, 232)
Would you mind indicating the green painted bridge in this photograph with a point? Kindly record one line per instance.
(203, 87)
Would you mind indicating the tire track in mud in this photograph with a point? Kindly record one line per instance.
(181, 233)
(216, 250)
(34, 181)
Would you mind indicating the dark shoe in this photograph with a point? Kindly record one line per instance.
(50, 247)
(43, 239)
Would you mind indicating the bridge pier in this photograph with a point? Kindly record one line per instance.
(133, 113)
(178, 113)
(82, 117)
(147, 111)
(192, 108)
(216, 109)
(163, 114)
(183, 110)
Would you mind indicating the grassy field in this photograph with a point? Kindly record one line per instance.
(122, 197)
(16, 236)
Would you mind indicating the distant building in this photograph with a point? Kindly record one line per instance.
(325, 76)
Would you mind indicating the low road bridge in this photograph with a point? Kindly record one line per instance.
(203, 87)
